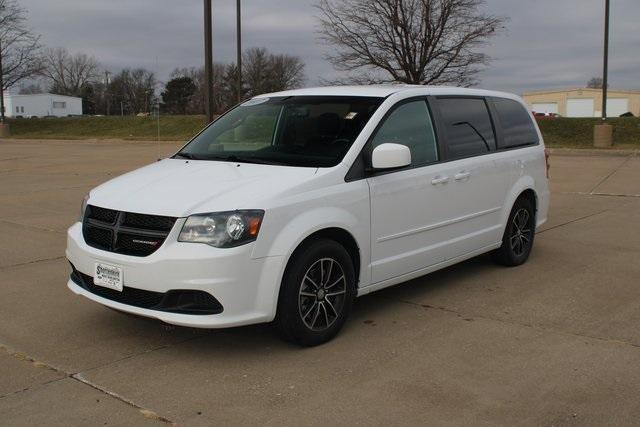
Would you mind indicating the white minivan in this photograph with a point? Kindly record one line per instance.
(292, 204)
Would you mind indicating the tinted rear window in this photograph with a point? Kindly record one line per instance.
(467, 125)
(515, 121)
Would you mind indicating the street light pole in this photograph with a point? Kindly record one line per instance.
(605, 73)
(239, 47)
(208, 60)
(1, 88)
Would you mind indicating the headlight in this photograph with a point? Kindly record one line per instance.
(222, 229)
(83, 207)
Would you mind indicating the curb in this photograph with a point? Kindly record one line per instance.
(594, 152)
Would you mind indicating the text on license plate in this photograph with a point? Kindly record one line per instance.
(108, 276)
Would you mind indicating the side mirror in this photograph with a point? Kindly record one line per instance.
(390, 156)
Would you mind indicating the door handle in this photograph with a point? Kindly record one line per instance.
(440, 180)
(462, 176)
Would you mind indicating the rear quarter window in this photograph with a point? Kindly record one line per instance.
(516, 124)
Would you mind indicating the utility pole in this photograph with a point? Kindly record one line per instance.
(605, 73)
(603, 132)
(4, 127)
(107, 82)
(208, 60)
(1, 88)
(239, 46)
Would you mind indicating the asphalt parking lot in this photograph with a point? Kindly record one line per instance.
(554, 342)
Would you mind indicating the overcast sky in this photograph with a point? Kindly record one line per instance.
(548, 43)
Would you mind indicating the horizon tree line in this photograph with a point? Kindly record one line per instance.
(138, 91)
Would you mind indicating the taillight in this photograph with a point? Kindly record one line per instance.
(547, 154)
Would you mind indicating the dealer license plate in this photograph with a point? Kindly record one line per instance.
(108, 276)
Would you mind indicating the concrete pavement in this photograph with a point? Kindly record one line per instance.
(554, 342)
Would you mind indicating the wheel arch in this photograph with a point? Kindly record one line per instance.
(524, 187)
(338, 235)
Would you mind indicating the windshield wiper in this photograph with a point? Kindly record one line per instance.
(187, 156)
(242, 159)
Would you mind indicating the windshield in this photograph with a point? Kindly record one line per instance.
(314, 131)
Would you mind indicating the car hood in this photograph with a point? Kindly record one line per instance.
(180, 188)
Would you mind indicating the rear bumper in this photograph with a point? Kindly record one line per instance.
(247, 288)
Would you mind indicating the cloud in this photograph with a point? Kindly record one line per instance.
(549, 43)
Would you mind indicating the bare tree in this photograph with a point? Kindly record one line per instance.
(287, 72)
(20, 46)
(197, 104)
(30, 89)
(133, 90)
(262, 72)
(267, 72)
(595, 83)
(67, 73)
(408, 41)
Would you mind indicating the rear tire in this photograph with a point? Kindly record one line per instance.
(519, 233)
(317, 292)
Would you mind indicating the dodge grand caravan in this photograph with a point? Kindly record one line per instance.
(292, 204)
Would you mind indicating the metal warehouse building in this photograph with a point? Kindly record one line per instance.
(42, 105)
(584, 102)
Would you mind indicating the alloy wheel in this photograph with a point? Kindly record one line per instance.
(322, 294)
(521, 232)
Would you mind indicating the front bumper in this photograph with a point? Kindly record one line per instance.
(247, 288)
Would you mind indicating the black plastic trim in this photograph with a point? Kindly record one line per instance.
(169, 302)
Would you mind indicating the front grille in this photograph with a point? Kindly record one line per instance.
(175, 301)
(125, 233)
(98, 237)
(148, 222)
(104, 215)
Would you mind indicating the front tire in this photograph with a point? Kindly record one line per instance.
(317, 293)
(519, 233)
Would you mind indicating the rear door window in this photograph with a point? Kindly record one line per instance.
(467, 126)
(516, 124)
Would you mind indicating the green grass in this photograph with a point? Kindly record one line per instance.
(561, 132)
(172, 128)
(578, 133)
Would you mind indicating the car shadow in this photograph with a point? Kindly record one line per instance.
(255, 337)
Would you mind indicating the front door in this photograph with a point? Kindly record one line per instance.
(409, 207)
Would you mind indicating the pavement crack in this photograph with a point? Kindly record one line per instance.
(610, 174)
(614, 195)
(147, 413)
(572, 221)
(15, 158)
(511, 322)
(142, 353)
(33, 227)
(582, 193)
(22, 264)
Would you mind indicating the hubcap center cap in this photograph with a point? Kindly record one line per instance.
(321, 294)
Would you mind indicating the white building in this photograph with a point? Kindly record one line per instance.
(584, 102)
(42, 105)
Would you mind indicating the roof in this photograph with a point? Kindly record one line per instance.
(383, 91)
(33, 95)
(581, 89)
